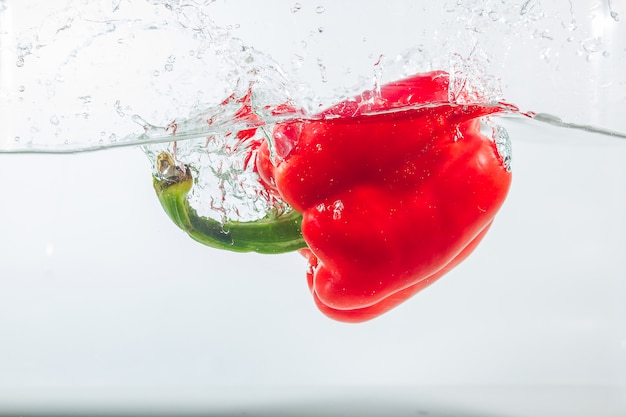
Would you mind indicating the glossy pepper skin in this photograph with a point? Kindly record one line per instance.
(390, 200)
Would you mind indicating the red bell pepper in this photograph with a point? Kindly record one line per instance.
(394, 189)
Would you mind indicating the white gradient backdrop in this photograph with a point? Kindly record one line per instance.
(106, 307)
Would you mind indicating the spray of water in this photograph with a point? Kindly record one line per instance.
(207, 98)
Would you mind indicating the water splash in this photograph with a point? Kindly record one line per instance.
(204, 88)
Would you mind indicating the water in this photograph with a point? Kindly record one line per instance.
(104, 304)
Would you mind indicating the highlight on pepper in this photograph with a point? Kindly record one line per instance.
(387, 194)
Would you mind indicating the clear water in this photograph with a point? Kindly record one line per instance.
(105, 305)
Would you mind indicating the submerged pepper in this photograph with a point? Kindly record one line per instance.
(394, 189)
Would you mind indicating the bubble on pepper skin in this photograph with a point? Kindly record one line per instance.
(337, 209)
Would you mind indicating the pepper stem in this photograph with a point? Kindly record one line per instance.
(271, 235)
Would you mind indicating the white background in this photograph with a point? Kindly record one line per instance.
(106, 307)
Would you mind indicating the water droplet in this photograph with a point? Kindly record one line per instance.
(20, 62)
(296, 8)
(54, 120)
(118, 109)
(529, 4)
(168, 67)
(21, 89)
(320, 9)
(615, 16)
(322, 68)
(337, 209)
(85, 99)
(17, 138)
(570, 26)
(592, 45)
(140, 121)
(156, 73)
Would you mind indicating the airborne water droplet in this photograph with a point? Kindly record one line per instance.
(592, 45)
(322, 68)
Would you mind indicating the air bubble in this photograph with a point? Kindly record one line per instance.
(320, 9)
(54, 120)
(296, 8)
(503, 145)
